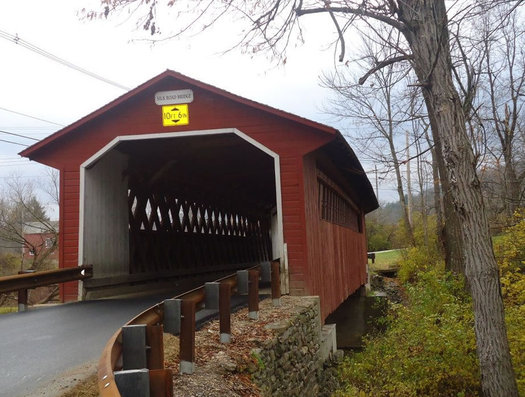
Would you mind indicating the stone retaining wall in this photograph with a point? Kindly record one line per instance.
(296, 361)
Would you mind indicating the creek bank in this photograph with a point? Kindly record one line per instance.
(360, 315)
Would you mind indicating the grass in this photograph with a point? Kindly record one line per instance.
(8, 310)
(387, 260)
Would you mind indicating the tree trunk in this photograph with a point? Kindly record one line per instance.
(406, 218)
(397, 167)
(450, 231)
(422, 198)
(452, 234)
(427, 35)
(437, 198)
(512, 189)
(410, 202)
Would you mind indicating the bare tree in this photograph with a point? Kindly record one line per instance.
(424, 25)
(50, 184)
(20, 210)
(489, 68)
(504, 85)
(378, 109)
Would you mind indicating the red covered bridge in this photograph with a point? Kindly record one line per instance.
(178, 177)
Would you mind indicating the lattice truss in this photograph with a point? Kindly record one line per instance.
(169, 233)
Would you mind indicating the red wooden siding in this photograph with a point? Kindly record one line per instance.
(336, 254)
(69, 209)
(294, 222)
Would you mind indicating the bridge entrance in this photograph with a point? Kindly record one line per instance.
(163, 206)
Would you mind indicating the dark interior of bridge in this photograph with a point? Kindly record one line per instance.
(198, 202)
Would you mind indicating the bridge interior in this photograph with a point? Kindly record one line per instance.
(178, 206)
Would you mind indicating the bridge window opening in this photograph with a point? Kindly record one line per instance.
(335, 208)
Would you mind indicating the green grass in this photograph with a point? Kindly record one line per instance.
(8, 310)
(386, 260)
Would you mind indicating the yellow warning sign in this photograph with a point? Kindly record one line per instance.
(175, 115)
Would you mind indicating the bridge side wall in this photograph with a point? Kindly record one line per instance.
(336, 253)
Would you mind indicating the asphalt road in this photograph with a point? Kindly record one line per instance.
(39, 345)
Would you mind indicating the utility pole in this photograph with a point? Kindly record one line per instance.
(409, 185)
(377, 184)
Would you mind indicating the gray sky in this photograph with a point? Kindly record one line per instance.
(37, 86)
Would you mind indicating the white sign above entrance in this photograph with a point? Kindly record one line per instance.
(174, 97)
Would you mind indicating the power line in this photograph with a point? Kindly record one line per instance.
(10, 160)
(17, 165)
(19, 135)
(33, 117)
(17, 40)
(14, 143)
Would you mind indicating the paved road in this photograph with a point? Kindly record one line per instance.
(38, 345)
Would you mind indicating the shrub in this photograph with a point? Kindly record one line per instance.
(428, 350)
(510, 252)
(515, 320)
(417, 260)
(378, 235)
(9, 264)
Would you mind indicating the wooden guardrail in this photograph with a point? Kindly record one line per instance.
(25, 281)
(132, 363)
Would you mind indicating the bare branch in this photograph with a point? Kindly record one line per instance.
(382, 64)
(355, 11)
(339, 32)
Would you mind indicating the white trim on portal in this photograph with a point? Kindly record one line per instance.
(163, 135)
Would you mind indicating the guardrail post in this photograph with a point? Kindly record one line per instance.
(253, 294)
(224, 312)
(155, 346)
(211, 296)
(276, 284)
(172, 313)
(266, 272)
(133, 383)
(242, 282)
(23, 293)
(134, 347)
(161, 383)
(187, 337)
(22, 300)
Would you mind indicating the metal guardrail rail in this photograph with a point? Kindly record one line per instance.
(132, 361)
(23, 282)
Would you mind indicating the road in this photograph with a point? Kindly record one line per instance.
(39, 345)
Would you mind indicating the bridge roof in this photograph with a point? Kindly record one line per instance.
(31, 151)
(338, 147)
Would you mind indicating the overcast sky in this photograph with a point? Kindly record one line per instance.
(40, 87)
